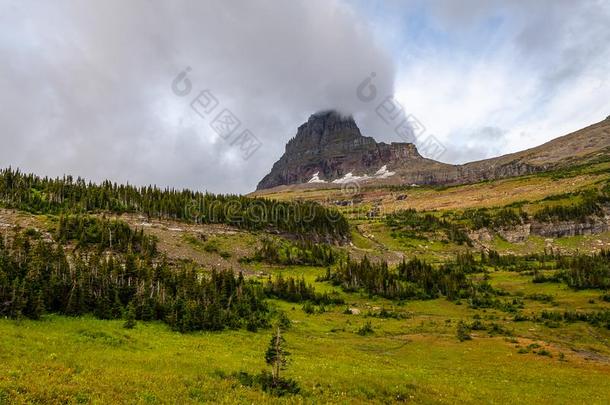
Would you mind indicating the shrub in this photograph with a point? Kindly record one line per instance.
(385, 314)
(544, 352)
(211, 246)
(366, 329)
(540, 297)
(463, 331)
(264, 380)
(308, 308)
(477, 325)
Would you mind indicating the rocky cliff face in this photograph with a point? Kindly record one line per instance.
(593, 225)
(332, 146)
(329, 147)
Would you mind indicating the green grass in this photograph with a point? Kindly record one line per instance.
(360, 241)
(222, 245)
(417, 358)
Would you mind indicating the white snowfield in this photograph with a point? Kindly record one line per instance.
(382, 173)
(350, 178)
(316, 178)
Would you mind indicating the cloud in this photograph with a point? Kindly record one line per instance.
(88, 85)
(535, 70)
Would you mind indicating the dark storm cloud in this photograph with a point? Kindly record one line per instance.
(85, 86)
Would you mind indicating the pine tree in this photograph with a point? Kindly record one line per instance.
(39, 307)
(276, 355)
(463, 332)
(283, 321)
(130, 317)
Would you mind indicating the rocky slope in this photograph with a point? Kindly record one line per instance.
(330, 149)
(593, 225)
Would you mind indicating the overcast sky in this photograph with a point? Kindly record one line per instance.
(87, 87)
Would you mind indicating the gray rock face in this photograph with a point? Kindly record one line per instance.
(570, 228)
(515, 234)
(593, 225)
(332, 146)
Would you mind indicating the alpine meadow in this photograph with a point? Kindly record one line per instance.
(334, 202)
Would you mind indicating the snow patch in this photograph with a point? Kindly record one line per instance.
(350, 178)
(384, 172)
(316, 178)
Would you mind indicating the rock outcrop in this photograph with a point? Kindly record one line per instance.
(593, 226)
(329, 148)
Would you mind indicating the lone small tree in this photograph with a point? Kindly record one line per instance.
(130, 317)
(463, 331)
(277, 355)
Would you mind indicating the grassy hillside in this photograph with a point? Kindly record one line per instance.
(507, 317)
(417, 358)
(484, 194)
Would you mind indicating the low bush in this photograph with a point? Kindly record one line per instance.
(264, 381)
(366, 329)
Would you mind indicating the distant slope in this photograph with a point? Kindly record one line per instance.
(584, 145)
(332, 147)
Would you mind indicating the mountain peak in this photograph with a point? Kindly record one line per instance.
(323, 114)
(323, 128)
(328, 147)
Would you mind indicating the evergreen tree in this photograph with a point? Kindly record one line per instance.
(283, 321)
(463, 331)
(39, 307)
(130, 317)
(276, 355)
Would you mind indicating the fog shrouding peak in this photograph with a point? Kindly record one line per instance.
(87, 86)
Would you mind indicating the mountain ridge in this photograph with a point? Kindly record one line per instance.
(329, 148)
